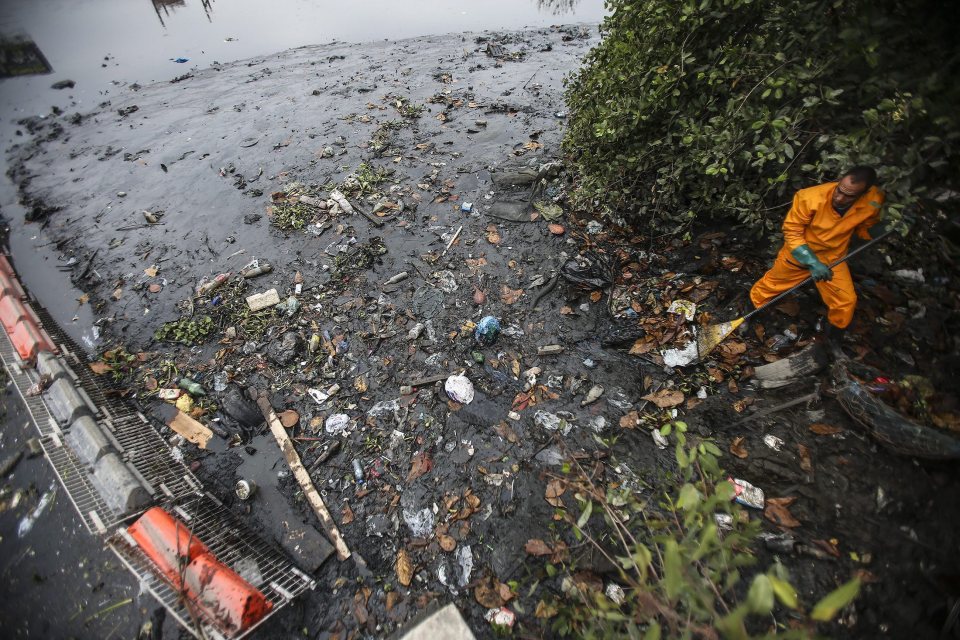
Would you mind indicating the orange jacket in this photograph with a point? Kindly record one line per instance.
(813, 222)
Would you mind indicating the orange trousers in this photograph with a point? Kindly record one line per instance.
(838, 294)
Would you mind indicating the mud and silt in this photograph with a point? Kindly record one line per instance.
(425, 137)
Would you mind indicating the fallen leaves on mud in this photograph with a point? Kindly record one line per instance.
(777, 511)
(557, 553)
(404, 568)
(491, 593)
(665, 398)
(493, 236)
(421, 464)
(555, 489)
(508, 295)
(738, 449)
(822, 429)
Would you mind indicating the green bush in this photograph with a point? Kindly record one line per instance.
(725, 107)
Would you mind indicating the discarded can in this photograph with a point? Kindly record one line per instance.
(207, 287)
(747, 494)
(487, 331)
(357, 471)
(191, 387)
(245, 489)
(256, 269)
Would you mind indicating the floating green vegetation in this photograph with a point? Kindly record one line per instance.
(366, 179)
(186, 330)
(291, 215)
(406, 108)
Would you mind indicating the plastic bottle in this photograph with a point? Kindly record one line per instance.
(207, 287)
(191, 387)
(256, 269)
(357, 471)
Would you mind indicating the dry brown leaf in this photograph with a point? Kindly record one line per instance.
(777, 511)
(805, 462)
(289, 418)
(665, 398)
(546, 611)
(84, 299)
(595, 296)
(493, 236)
(830, 546)
(508, 295)
(117, 293)
(791, 307)
(487, 593)
(537, 547)
(421, 464)
(447, 543)
(556, 229)
(155, 288)
(100, 368)
(737, 448)
(151, 271)
(404, 568)
(392, 597)
(555, 489)
(505, 593)
(643, 345)
(566, 311)
(506, 432)
(630, 421)
(360, 383)
(348, 516)
(822, 429)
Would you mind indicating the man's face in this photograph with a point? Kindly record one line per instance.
(847, 192)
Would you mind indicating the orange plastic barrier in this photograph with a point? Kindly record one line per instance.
(12, 311)
(233, 602)
(29, 340)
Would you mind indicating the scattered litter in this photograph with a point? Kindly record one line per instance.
(259, 301)
(659, 439)
(551, 422)
(747, 494)
(910, 275)
(615, 593)
(419, 522)
(487, 331)
(593, 395)
(549, 350)
(684, 308)
(180, 60)
(501, 617)
(773, 442)
(26, 524)
(338, 424)
(681, 357)
(594, 227)
(245, 489)
(459, 388)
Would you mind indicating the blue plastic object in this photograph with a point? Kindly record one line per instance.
(487, 331)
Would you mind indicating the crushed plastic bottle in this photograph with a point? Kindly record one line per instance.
(206, 287)
(191, 387)
(220, 381)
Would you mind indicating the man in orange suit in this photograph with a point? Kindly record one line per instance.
(817, 232)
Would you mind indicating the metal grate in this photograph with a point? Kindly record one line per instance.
(233, 544)
(94, 512)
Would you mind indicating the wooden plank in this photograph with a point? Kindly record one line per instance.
(183, 424)
(300, 473)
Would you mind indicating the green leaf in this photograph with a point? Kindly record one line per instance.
(760, 596)
(672, 576)
(653, 631)
(833, 602)
(582, 520)
(785, 592)
(689, 497)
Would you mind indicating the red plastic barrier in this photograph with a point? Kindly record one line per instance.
(29, 340)
(12, 311)
(9, 285)
(6, 267)
(233, 602)
(166, 541)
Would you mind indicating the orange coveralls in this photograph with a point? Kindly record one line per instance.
(813, 222)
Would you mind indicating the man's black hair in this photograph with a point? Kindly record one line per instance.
(862, 174)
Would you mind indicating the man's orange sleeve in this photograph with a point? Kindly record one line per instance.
(795, 224)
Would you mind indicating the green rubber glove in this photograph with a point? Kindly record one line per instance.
(818, 270)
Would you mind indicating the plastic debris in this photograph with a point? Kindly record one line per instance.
(501, 617)
(681, 357)
(459, 388)
(549, 350)
(206, 287)
(419, 522)
(593, 395)
(191, 387)
(551, 422)
(465, 560)
(26, 524)
(910, 275)
(747, 494)
(487, 331)
(358, 471)
(598, 424)
(773, 442)
(684, 308)
(338, 424)
(659, 439)
(466, 207)
(615, 593)
(180, 60)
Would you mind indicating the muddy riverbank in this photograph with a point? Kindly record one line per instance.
(445, 148)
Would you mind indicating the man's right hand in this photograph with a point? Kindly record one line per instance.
(807, 258)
